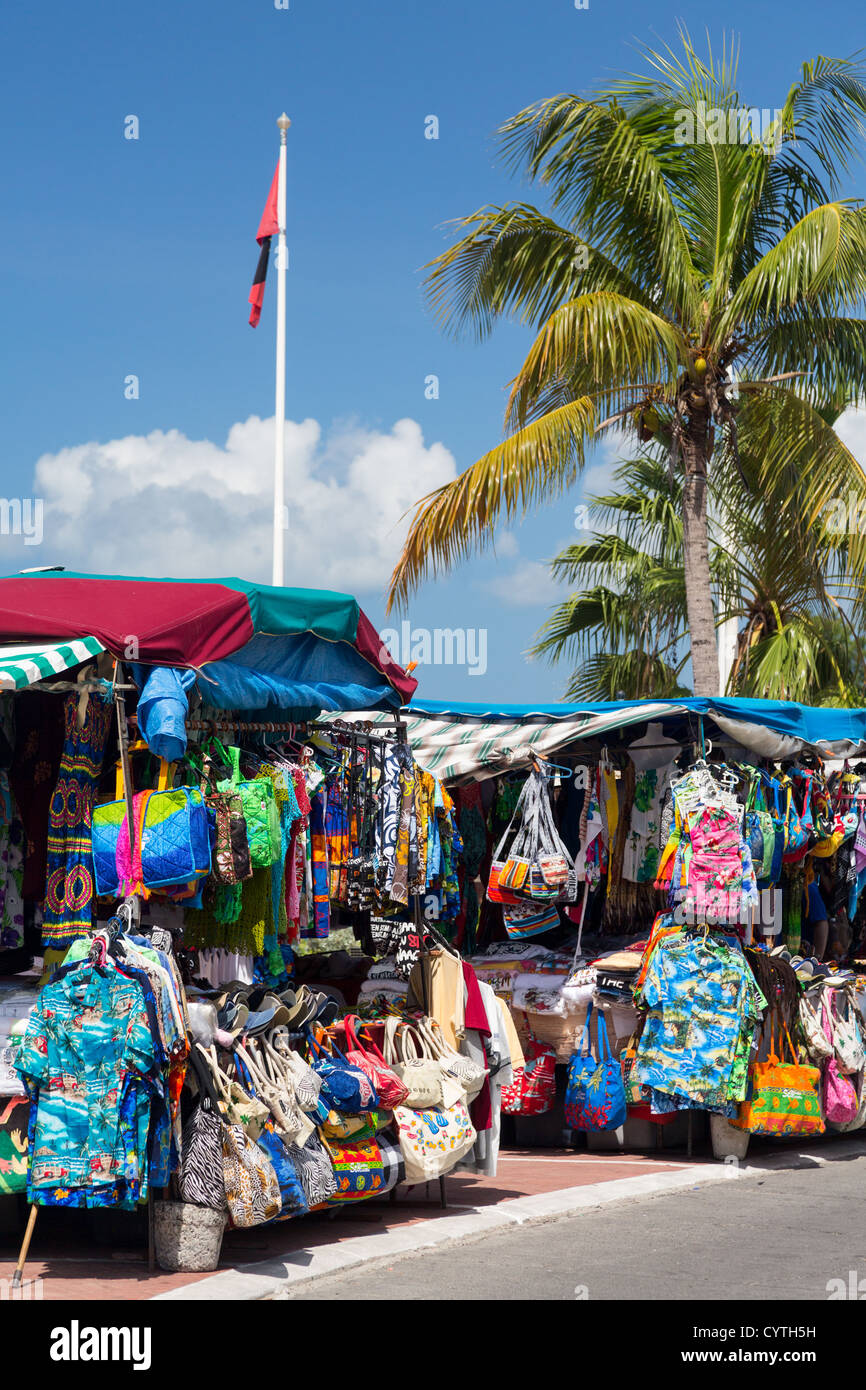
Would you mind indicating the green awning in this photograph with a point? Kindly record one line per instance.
(21, 666)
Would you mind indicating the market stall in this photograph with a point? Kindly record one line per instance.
(304, 944)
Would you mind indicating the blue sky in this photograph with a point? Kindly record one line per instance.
(135, 257)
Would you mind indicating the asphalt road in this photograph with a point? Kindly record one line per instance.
(783, 1236)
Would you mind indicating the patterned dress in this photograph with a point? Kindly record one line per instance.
(69, 888)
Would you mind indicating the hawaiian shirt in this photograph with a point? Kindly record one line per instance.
(86, 1058)
(704, 1004)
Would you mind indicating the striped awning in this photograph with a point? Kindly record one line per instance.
(455, 747)
(22, 665)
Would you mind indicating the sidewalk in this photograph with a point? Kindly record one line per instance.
(267, 1262)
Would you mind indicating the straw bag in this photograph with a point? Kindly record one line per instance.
(785, 1097)
(469, 1074)
(422, 1076)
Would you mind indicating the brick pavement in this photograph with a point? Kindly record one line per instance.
(72, 1266)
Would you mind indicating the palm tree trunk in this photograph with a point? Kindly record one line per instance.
(696, 561)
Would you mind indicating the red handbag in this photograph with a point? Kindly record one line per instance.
(389, 1088)
(533, 1089)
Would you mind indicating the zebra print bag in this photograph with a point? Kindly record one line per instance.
(315, 1170)
(201, 1171)
(200, 1179)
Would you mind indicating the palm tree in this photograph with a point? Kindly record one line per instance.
(695, 277)
(785, 585)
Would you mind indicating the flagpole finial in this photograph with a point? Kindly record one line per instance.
(284, 123)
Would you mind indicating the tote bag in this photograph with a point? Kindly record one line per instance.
(388, 1086)
(422, 1076)
(260, 813)
(345, 1088)
(358, 1169)
(785, 1097)
(595, 1094)
(251, 1186)
(533, 1089)
(432, 1141)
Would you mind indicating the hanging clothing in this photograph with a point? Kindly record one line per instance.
(86, 1058)
(33, 777)
(654, 758)
(70, 885)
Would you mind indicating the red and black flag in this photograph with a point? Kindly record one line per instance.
(268, 227)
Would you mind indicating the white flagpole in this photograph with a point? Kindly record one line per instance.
(280, 403)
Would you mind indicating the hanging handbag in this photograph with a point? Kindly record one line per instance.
(785, 1097)
(251, 1186)
(817, 1043)
(848, 1038)
(236, 1106)
(470, 1075)
(840, 1097)
(231, 851)
(526, 919)
(533, 1090)
(497, 891)
(174, 834)
(797, 836)
(595, 1095)
(433, 1141)
(275, 1089)
(315, 1170)
(345, 1088)
(364, 1126)
(307, 1083)
(200, 1177)
(387, 1084)
(778, 818)
(358, 1169)
(422, 1076)
(260, 810)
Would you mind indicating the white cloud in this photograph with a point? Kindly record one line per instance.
(528, 585)
(163, 504)
(851, 429)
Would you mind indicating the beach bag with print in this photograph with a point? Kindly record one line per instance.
(840, 1097)
(784, 1099)
(533, 1090)
(595, 1094)
(422, 1074)
(778, 819)
(433, 1141)
(358, 1169)
(251, 1186)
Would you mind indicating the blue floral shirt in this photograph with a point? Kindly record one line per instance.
(85, 1056)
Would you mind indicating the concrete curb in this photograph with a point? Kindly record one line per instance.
(279, 1278)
